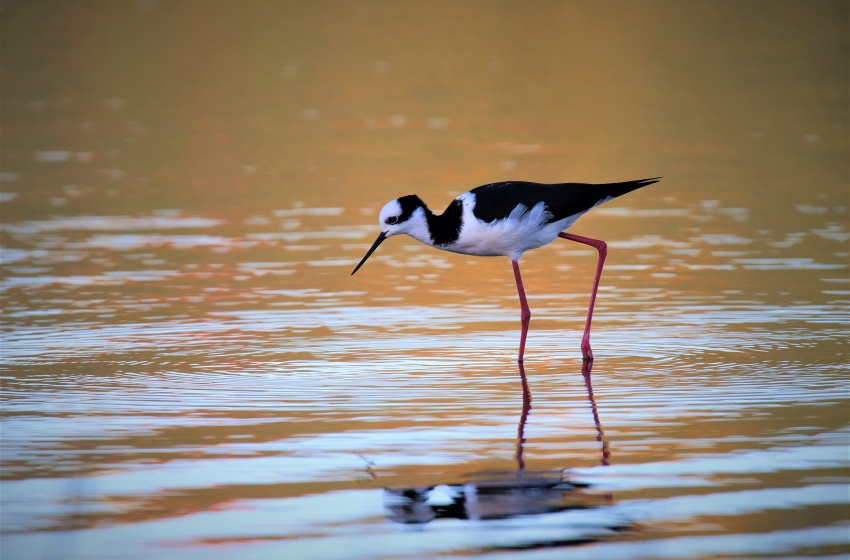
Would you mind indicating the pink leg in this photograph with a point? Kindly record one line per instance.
(602, 247)
(526, 312)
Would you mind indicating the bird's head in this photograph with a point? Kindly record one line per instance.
(402, 215)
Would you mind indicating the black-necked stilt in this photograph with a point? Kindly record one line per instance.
(506, 219)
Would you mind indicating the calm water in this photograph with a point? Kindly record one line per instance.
(190, 371)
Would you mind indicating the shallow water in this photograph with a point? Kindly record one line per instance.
(191, 371)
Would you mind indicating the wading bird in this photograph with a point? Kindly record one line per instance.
(506, 219)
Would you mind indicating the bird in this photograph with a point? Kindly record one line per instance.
(506, 219)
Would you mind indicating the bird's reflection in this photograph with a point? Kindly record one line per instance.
(526, 409)
(600, 433)
(501, 494)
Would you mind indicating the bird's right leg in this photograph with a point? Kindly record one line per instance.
(525, 317)
(602, 248)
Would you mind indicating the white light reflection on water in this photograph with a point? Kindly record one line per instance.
(171, 220)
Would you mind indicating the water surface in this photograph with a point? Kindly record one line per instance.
(191, 371)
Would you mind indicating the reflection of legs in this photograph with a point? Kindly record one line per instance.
(526, 312)
(602, 247)
(526, 408)
(600, 435)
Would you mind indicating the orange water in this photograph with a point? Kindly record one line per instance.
(191, 371)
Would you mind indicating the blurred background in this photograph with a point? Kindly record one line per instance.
(232, 107)
(185, 186)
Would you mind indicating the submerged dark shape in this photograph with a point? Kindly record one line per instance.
(492, 495)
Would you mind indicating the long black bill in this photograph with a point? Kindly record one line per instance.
(372, 250)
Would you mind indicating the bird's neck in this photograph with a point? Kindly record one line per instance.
(445, 228)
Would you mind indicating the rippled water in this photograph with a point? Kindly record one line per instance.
(187, 398)
(190, 370)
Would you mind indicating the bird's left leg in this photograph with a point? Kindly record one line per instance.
(526, 312)
(602, 248)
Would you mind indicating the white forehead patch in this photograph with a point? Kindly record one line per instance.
(391, 208)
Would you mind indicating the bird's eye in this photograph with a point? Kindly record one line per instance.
(391, 220)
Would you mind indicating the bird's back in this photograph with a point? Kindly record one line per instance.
(497, 200)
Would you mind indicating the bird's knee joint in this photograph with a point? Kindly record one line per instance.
(602, 248)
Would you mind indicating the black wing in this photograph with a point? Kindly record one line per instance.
(496, 201)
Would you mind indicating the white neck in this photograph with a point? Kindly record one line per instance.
(417, 227)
